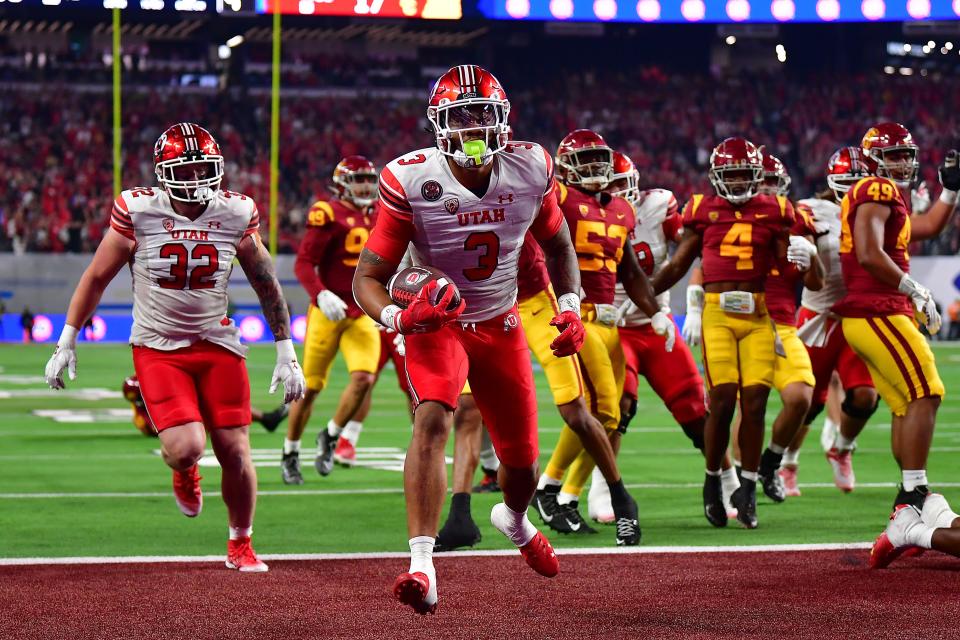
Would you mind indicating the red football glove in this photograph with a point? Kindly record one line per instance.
(423, 317)
(571, 335)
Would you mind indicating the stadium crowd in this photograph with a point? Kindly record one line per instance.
(56, 145)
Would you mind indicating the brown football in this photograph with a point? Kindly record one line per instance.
(406, 284)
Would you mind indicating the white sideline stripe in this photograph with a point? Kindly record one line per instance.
(399, 490)
(376, 555)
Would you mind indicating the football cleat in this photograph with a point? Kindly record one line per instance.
(488, 484)
(828, 434)
(773, 487)
(272, 420)
(290, 468)
(745, 501)
(186, 491)
(540, 556)
(914, 498)
(713, 507)
(892, 543)
(413, 589)
(628, 525)
(570, 514)
(545, 502)
(241, 556)
(326, 445)
(788, 475)
(841, 463)
(345, 454)
(458, 531)
(599, 505)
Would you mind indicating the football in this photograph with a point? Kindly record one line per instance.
(406, 284)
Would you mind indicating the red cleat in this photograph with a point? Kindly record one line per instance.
(885, 550)
(186, 490)
(345, 453)
(241, 556)
(540, 556)
(412, 589)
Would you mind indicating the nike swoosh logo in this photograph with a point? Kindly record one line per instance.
(533, 313)
(573, 527)
(543, 514)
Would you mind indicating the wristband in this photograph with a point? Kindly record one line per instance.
(948, 196)
(695, 296)
(388, 316)
(569, 302)
(68, 337)
(285, 351)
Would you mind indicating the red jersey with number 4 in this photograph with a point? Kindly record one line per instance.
(532, 275)
(600, 233)
(181, 267)
(475, 240)
(328, 254)
(739, 240)
(781, 288)
(866, 296)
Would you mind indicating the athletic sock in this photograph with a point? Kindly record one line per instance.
(333, 428)
(567, 498)
(750, 476)
(488, 456)
(842, 443)
(290, 446)
(421, 554)
(913, 478)
(546, 481)
(729, 481)
(770, 461)
(791, 457)
(514, 524)
(240, 532)
(351, 431)
(777, 449)
(715, 474)
(618, 494)
(460, 504)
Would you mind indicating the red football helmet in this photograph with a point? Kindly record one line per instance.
(584, 159)
(355, 180)
(889, 152)
(736, 170)
(845, 169)
(188, 163)
(626, 178)
(776, 180)
(468, 111)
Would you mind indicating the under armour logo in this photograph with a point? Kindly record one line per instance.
(505, 198)
(213, 224)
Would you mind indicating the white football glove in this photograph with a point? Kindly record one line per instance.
(920, 198)
(288, 373)
(923, 301)
(331, 305)
(663, 326)
(628, 307)
(801, 252)
(65, 357)
(400, 345)
(694, 322)
(606, 314)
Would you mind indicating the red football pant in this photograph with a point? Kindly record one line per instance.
(672, 376)
(494, 356)
(200, 383)
(834, 354)
(388, 351)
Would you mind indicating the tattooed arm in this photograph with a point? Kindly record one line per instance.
(369, 283)
(258, 266)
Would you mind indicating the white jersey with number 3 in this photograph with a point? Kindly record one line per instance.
(181, 267)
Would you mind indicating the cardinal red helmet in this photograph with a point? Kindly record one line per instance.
(584, 159)
(845, 169)
(355, 180)
(188, 163)
(626, 178)
(468, 104)
(736, 170)
(776, 180)
(890, 152)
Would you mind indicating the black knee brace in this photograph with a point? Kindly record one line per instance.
(854, 411)
(812, 413)
(695, 438)
(627, 416)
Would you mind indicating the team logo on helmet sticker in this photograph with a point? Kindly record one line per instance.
(452, 205)
(431, 191)
(168, 224)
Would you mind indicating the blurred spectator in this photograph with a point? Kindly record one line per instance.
(26, 323)
(953, 313)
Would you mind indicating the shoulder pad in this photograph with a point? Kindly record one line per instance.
(320, 214)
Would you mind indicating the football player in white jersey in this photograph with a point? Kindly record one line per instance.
(180, 241)
(466, 204)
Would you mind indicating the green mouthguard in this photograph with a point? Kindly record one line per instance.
(475, 149)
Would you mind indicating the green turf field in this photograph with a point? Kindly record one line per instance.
(51, 473)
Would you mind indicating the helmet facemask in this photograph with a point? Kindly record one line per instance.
(898, 163)
(590, 168)
(736, 183)
(191, 179)
(775, 184)
(840, 183)
(626, 186)
(471, 131)
(358, 187)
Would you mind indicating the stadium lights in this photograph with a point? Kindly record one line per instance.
(781, 53)
(731, 40)
(906, 71)
(948, 46)
(889, 70)
(223, 52)
(235, 41)
(908, 48)
(931, 44)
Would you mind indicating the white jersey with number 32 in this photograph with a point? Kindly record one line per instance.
(181, 267)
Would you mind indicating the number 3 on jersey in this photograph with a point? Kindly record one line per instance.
(738, 243)
(199, 276)
(489, 243)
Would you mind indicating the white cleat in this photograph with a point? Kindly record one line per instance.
(599, 504)
(828, 435)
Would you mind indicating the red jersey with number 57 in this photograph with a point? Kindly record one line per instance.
(330, 249)
(181, 267)
(474, 239)
(739, 241)
(866, 296)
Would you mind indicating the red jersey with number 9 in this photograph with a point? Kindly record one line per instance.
(739, 241)
(181, 267)
(600, 233)
(866, 296)
(474, 239)
(330, 250)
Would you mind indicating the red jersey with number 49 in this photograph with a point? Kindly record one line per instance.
(781, 288)
(330, 249)
(181, 267)
(739, 241)
(600, 233)
(866, 296)
(475, 240)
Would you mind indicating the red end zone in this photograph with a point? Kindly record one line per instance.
(809, 594)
